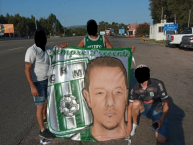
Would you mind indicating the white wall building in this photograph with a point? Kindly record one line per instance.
(157, 31)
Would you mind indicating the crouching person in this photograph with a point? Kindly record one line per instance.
(149, 98)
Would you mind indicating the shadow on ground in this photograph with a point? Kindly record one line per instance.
(176, 132)
(180, 48)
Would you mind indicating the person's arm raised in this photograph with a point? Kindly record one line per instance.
(107, 43)
(81, 43)
(62, 45)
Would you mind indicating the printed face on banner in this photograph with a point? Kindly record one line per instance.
(107, 96)
(88, 94)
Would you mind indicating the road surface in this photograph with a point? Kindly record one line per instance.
(171, 65)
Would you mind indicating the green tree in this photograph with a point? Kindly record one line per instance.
(178, 9)
(143, 30)
(69, 32)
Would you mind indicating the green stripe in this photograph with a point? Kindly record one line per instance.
(86, 135)
(75, 88)
(61, 118)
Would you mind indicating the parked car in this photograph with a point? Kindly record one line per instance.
(187, 41)
(176, 39)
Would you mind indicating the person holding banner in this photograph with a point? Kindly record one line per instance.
(106, 91)
(149, 97)
(36, 68)
(93, 40)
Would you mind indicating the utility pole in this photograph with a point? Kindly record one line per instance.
(35, 23)
(63, 20)
(162, 13)
(118, 29)
(189, 18)
(35, 19)
(175, 18)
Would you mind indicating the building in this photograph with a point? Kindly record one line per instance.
(132, 29)
(157, 31)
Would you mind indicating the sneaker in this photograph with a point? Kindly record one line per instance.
(47, 134)
(133, 129)
(45, 120)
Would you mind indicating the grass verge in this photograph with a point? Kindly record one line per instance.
(159, 41)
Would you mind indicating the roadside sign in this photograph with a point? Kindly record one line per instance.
(170, 27)
(121, 31)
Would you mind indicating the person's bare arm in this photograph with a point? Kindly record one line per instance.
(129, 119)
(81, 43)
(165, 108)
(28, 67)
(133, 49)
(107, 43)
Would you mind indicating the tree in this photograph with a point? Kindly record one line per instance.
(69, 32)
(143, 29)
(172, 8)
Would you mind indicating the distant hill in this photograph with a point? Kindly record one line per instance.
(76, 26)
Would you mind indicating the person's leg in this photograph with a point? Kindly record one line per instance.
(46, 95)
(137, 107)
(162, 133)
(160, 138)
(44, 109)
(40, 101)
(39, 114)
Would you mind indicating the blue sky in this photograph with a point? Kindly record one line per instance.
(78, 12)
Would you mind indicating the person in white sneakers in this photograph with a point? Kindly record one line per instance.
(36, 68)
(149, 98)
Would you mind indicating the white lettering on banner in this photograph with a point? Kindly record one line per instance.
(95, 46)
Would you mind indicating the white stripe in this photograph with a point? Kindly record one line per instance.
(77, 137)
(131, 100)
(52, 111)
(15, 48)
(133, 59)
(93, 39)
(164, 98)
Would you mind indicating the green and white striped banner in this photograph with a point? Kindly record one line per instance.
(68, 112)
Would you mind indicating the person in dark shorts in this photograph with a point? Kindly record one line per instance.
(36, 68)
(149, 97)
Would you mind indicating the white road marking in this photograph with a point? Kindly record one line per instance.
(15, 48)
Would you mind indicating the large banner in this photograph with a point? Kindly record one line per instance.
(87, 93)
(6, 28)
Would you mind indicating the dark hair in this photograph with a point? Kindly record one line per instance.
(40, 38)
(103, 62)
(142, 74)
(92, 27)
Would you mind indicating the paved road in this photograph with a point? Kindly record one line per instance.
(171, 65)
